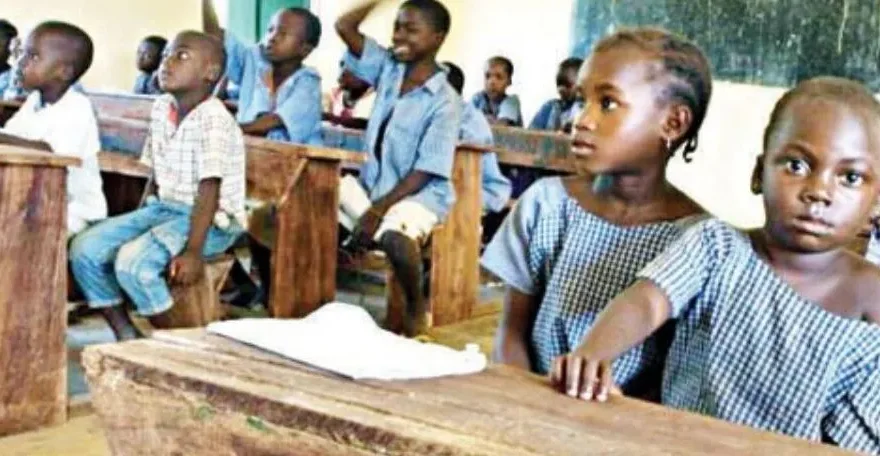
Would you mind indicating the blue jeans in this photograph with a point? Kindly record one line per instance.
(131, 252)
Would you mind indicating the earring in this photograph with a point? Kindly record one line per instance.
(669, 146)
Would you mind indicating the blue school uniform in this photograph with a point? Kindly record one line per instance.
(147, 84)
(507, 109)
(297, 101)
(574, 263)
(749, 349)
(553, 116)
(416, 131)
(5, 81)
(475, 130)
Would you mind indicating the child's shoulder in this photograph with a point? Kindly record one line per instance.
(862, 278)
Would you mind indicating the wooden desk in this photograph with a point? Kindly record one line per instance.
(545, 144)
(303, 183)
(185, 392)
(33, 270)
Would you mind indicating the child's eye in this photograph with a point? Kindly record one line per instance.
(797, 167)
(183, 55)
(608, 104)
(853, 179)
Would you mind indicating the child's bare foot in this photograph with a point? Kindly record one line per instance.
(121, 324)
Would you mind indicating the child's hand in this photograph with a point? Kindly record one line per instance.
(581, 375)
(186, 268)
(366, 227)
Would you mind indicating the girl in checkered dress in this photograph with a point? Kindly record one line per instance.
(772, 325)
(573, 243)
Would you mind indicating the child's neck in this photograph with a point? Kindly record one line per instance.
(52, 93)
(187, 101)
(789, 263)
(496, 98)
(634, 188)
(418, 72)
(283, 70)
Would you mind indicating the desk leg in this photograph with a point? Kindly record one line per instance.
(455, 247)
(33, 321)
(304, 257)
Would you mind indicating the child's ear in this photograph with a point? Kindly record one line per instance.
(678, 122)
(305, 50)
(213, 72)
(757, 176)
(65, 72)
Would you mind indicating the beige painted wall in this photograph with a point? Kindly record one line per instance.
(116, 27)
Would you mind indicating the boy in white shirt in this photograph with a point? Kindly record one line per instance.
(57, 119)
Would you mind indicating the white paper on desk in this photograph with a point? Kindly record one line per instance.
(344, 339)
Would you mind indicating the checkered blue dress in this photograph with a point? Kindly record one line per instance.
(575, 262)
(749, 349)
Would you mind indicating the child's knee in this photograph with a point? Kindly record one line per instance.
(84, 249)
(400, 249)
(133, 263)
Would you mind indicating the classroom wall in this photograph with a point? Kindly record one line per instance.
(116, 27)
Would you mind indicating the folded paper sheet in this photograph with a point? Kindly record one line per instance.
(344, 339)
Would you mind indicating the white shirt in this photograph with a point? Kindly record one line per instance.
(70, 128)
(208, 143)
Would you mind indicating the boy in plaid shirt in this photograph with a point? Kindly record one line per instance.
(197, 154)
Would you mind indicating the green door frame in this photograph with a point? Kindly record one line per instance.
(248, 19)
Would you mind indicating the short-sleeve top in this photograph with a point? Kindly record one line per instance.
(421, 129)
(507, 109)
(575, 263)
(749, 349)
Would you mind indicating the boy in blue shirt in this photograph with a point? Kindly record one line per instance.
(475, 130)
(8, 33)
(404, 189)
(558, 114)
(149, 56)
(499, 107)
(279, 98)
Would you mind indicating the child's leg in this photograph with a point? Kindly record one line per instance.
(92, 254)
(403, 231)
(142, 263)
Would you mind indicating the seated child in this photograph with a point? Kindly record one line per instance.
(768, 330)
(573, 243)
(149, 56)
(558, 114)
(197, 154)
(278, 97)
(411, 138)
(58, 119)
(8, 33)
(475, 130)
(499, 107)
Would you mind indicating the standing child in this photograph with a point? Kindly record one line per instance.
(475, 130)
(411, 138)
(8, 34)
(58, 119)
(499, 107)
(149, 56)
(767, 321)
(571, 244)
(197, 154)
(278, 97)
(558, 114)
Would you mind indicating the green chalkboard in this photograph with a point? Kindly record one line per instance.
(249, 19)
(767, 42)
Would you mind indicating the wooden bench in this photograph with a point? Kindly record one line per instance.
(32, 285)
(185, 392)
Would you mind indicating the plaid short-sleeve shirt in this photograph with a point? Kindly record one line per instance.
(207, 143)
(750, 350)
(575, 262)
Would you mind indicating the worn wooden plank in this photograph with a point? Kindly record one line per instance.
(12, 155)
(301, 150)
(123, 135)
(304, 255)
(189, 393)
(198, 304)
(33, 266)
(546, 144)
(455, 247)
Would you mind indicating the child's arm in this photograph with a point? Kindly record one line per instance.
(210, 22)
(262, 125)
(515, 328)
(11, 140)
(348, 26)
(187, 266)
(629, 319)
(299, 114)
